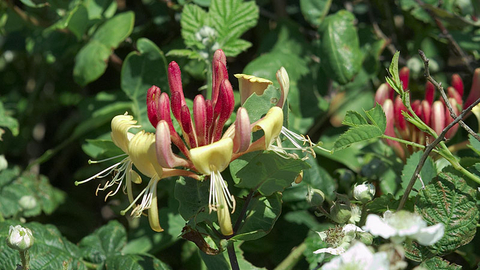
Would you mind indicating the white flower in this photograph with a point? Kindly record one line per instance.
(364, 192)
(358, 257)
(339, 240)
(20, 238)
(400, 225)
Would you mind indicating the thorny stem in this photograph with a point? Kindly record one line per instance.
(232, 256)
(445, 151)
(444, 96)
(291, 260)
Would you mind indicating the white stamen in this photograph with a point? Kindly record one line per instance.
(218, 187)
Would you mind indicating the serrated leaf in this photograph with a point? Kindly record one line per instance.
(7, 121)
(427, 173)
(90, 62)
(231, 18)
(314, 11)
(340, 48)
(261, 215)
(452, 202)
(394, 78)
(357, 134)
(50, 250)
(437, 263)
(185, 53)
(140, 71)
(193, 18)
(115, 30)
(353, 119)
(235, 46)
(269, 173)
(104, 242)
(377, 117)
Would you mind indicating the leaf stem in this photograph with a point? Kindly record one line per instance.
(238, 223)
(232, 256)
(292, 259)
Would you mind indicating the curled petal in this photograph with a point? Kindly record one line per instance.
(382, 94)
(429, 92)
(143, 154)
(243, 135)
(249, 84)
(284, 81)
(404, 75)
(212, 157)
(120, 126)
(153, 219)
(166, 158)
(153, 98)
(271, 124)
(457, 83)
(438, 116)
(200, 117)
(475, 90)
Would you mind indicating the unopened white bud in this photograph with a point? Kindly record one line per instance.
(27, 202)
(19, 238)
(364, 192)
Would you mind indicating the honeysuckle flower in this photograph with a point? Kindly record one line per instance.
(20, 238)
(364, 192)
(397, 226)
(434, 113)
(358, 257)
(338, 238)
(211, 160)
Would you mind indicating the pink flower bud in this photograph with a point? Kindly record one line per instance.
(429, 92)
(417, 109)
(176, 88)
(220, 73)
(200, 117)
(475, 90)
(209, 121)
(448, 118)
(389, 131)
(400, 121)
(404, 75)
(163, 144)
(187, 127)
(153, 97)
(243, 134)
(438, 116)
(426, 112)
(453, 94)
(382, 94)
(225, 107)
(457, 83)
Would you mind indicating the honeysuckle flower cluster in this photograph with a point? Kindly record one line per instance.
(205, 151)
(398, 226)
(433, 112)
(359, 257)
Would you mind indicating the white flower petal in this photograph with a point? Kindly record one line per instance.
(333, 251)
(376, 226)
(430, 235)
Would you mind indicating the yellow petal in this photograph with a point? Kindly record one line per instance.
(212, 157)
(141, 150)
(120, 126)
(249, 84)
(271, 124)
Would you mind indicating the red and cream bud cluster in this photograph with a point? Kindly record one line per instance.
(432, 112)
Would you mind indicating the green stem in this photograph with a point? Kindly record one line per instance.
(406, 142)
(25, 259)
(292, 259)
(232, 256)
(90, 265)
(363, 218)
(209, 80)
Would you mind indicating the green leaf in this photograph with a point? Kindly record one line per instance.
(261, 215)
(41, 195)
(135, 262)
(377, 117)
(193, 18)
(257, 106)
(90, 62)
(7, 121)
(394, 78)
(77, 21)
(235, 46)
(386, 202)
(99, 9)
(474, 144)
(140, 71)
(340, 48)
(315, 11)
(193, 198)
(115, 30)
(437, 263)
(101, 149)
(221, 261)
(104, 242)
(427, 173)
(185, 53)
(50, 249)
(231, 18)
(35, 3)
(452, 202)
(353, 119)
(269, 173)
(357, 134)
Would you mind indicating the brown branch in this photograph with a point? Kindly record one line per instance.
(444, 96)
